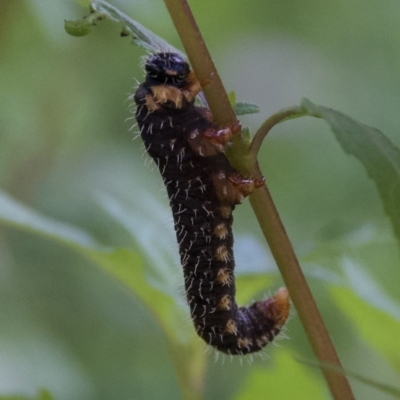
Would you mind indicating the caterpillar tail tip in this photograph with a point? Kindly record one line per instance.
(279, 306)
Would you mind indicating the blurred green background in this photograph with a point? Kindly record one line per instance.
(66, 151)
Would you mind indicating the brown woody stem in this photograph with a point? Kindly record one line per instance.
(201, 61)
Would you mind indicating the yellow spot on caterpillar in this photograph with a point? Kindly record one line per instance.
(222, 254)
(276, 308)
(225, 303)
(151, 105)
(164, 93)
(231, 327)
(221, 231)
(281, 306)
(262, 341)
(224, 276)
(225, 211)
(244, 342)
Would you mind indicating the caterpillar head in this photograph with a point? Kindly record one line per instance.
(168, 68)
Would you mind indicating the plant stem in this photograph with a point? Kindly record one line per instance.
(300, 293)
(201, 61)
(268, 124)
(261, 200)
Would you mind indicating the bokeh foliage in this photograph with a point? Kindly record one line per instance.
(78, 194)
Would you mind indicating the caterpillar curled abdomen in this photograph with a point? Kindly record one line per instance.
(203, 189)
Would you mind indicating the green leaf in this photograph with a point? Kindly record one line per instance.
(380, 157)
(14, 213)
(383, 387)
(43, 395)
(78, 28)
(143, 225)
(287, 380)
(241, 108)
(367, 289)
(247, 286)
(141, 36)
(246, 135)
(375, 315)
(128, 268)
(83, 3)
(159, 296)
(163, 302)
(232, 97)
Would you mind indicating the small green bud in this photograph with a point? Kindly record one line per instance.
(77, 28)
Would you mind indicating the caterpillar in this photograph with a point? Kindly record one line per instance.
(203, 190)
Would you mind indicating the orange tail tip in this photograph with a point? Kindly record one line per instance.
(279, 306)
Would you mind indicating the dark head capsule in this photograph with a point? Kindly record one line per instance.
(168, 68)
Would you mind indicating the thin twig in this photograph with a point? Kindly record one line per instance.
(262, 132)
(201, 61)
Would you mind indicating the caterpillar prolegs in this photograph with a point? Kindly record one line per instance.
(203, 189)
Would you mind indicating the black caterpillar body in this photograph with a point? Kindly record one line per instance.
(203, 189)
